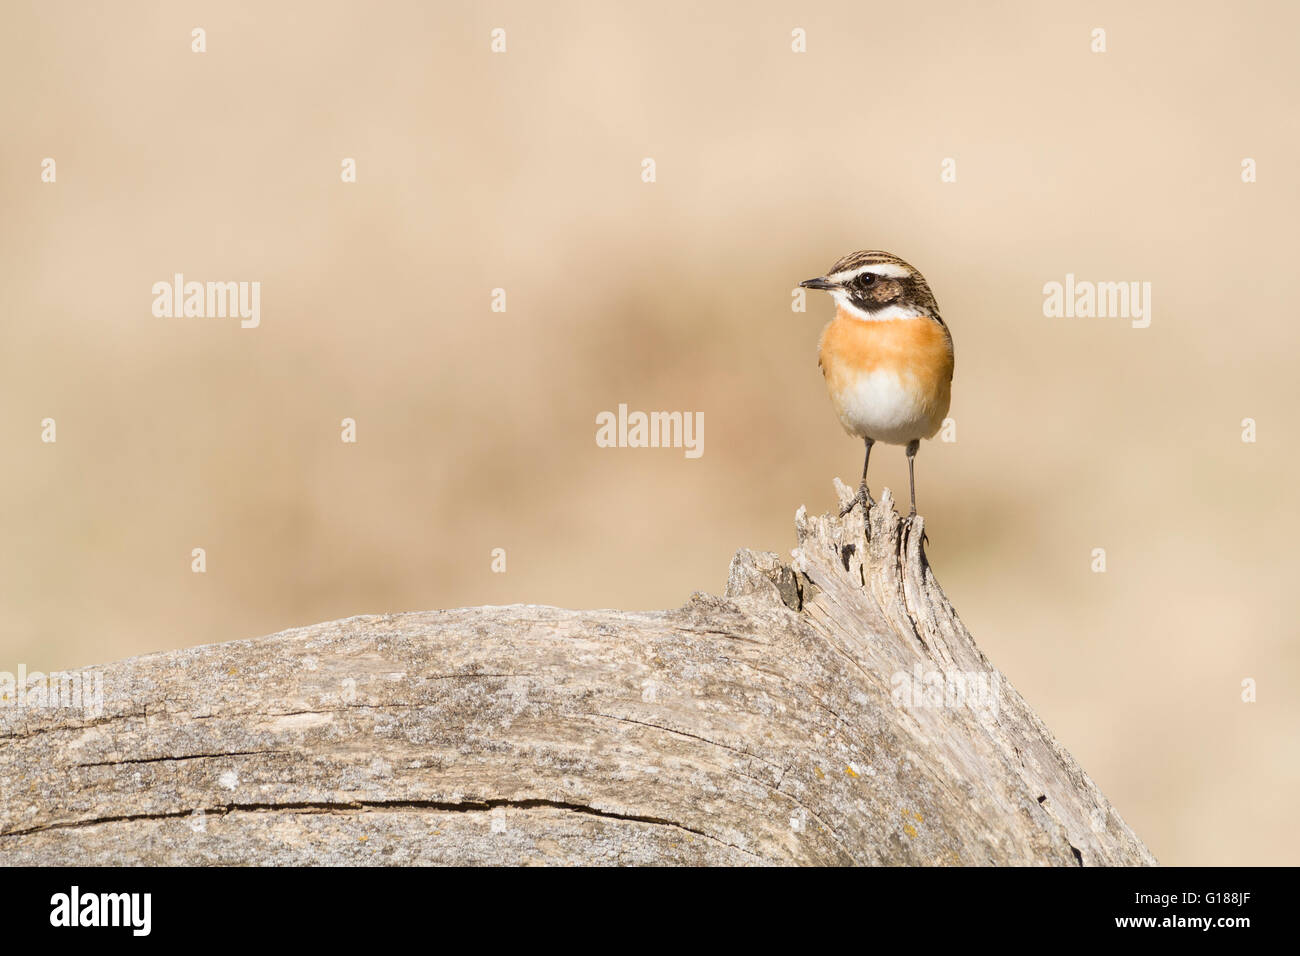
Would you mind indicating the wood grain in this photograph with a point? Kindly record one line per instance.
(761, 727)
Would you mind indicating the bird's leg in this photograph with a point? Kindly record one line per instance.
(863, 495)
(863, 490)
(912, 446)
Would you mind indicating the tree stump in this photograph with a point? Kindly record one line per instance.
(828, 710)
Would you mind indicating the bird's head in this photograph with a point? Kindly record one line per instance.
(877, 286)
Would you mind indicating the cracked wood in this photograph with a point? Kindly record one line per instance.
(762, 727)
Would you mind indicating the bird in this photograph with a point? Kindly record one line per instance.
(887, 357)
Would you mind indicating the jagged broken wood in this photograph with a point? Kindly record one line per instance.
(806, 717)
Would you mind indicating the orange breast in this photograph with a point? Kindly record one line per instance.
(918, 350)
(921, 348)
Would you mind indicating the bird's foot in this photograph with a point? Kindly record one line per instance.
(908, 521)
(863, 497)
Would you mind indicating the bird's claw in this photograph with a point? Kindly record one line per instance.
(863, 497)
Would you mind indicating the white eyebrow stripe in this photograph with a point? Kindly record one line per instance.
(886, 270)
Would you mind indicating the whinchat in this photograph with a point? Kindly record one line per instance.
(887, 356)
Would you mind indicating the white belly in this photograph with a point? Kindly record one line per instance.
(884, 406)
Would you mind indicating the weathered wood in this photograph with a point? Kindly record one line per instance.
(765, 726)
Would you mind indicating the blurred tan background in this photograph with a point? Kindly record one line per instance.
(476, 429)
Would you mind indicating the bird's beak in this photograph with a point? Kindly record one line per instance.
(824, 284)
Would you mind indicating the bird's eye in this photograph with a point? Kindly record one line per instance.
(866, 278)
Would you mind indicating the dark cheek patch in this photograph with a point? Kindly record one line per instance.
(877, 295)
(884, 291)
